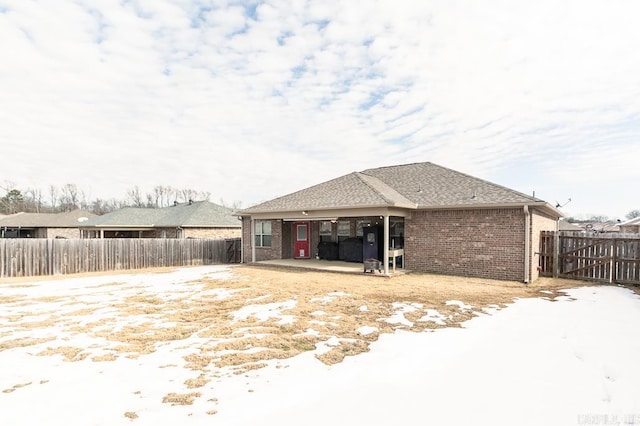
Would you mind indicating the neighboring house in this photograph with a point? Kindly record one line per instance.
(631, 226)
(563, 225)
(43, 225)
(607, 227)
(439, 220)
(199, 219)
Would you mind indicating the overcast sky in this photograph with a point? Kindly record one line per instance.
(254, 100)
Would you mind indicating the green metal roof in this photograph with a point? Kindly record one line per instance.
(199, 214)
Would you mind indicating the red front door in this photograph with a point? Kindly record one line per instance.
(301, 246)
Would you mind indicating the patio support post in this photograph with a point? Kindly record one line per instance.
(385, 253)
(253, 240)
(527, 244)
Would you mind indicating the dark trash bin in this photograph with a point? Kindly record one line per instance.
(350, 250)
(328, 250)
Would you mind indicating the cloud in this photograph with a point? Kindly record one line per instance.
(251, 100)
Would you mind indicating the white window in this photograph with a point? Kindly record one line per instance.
(263, 233)
(396, 232)
(325, 230)
(344, 230)
(359, 225)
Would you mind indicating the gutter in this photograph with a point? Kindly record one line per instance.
(527, 244)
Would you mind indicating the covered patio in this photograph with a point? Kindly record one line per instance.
(324, 265)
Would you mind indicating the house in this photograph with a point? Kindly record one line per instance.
(563, 225)
(195, 219)
(631, 226)
(431, 218)
(595, 227)
(43, 225)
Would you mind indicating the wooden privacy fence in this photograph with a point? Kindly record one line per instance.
(22, 257)
(606, 258)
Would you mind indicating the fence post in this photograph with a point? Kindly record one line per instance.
(613, 261)
(556, 254)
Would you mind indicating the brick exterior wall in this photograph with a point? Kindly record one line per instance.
(478, 243)
(539, 222)
(262, 253)
(63, 233)
(213, 233)
(56, 233)
(630, 229)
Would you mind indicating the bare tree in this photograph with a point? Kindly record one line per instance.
(100, 206)
(69, 198)
(35, 199)
(633, 214)
(234, 205)
(53, 197)
(84, 202)
(134, 196)
(163, 196)
(188, 194)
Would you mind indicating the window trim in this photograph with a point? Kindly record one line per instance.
(260, 234)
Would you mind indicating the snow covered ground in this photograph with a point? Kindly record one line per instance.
(572, 361)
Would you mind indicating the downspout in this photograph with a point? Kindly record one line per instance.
(385, 249)
(253, 240)
(241, 239)
(527, 243)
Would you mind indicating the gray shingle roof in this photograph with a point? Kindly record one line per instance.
(430, 185)
(71, 219)
(352, 190)
(417, 185)
(199, 214)
(634, 221)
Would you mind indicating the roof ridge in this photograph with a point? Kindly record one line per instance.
(488, 182)
(484, 181)
(381, 195)
(397, 196)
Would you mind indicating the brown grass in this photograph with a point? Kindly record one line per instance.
(131, 415)
(104, 358)
(15, 387)
(68, 352)
(347, 302)
(24, 342)
(198, 382)
(181, 399)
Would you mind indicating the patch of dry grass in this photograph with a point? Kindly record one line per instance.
(15, 387)
(23, 342)
(131, 415)
(181, 399)
(5, 300)
(104, 358)
(69, 353)
(198, 382)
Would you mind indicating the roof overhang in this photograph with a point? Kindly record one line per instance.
(210, 226)
(127, 227)
(329, 213)
(540, 205)
(333, 213)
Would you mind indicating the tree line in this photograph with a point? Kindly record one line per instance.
(601, 218)
(71, 197)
